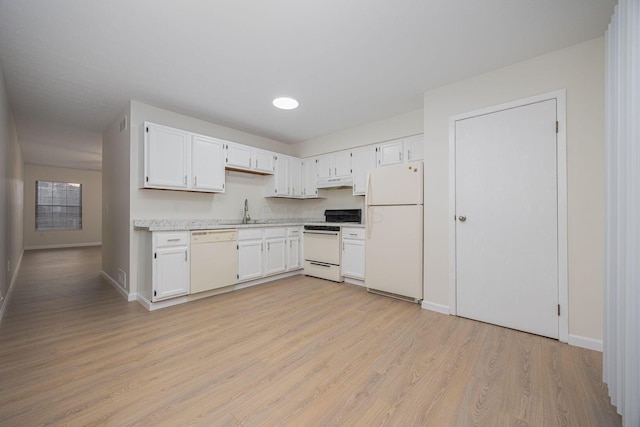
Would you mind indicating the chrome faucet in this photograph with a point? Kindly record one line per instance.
(245, 216)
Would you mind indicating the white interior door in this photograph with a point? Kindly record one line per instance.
(506, 206)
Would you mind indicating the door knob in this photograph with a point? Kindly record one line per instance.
(462, 218)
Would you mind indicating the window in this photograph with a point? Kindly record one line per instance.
(58, 206)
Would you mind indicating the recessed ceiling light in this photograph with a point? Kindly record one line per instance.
(285, 103)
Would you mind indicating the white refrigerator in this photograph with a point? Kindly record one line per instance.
(394, 230)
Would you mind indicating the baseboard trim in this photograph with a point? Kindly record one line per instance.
(128, 296)
(151, 306)
(63, 246)
(5, 301)
(585, 342)
(438, 308)
(353, 281)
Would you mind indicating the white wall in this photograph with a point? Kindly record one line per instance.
(11, 197)
(116, 198)
(579, 69)
(91, 232)
(411, 123)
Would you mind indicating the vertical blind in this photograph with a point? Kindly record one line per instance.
(58, 206)
(621, 351)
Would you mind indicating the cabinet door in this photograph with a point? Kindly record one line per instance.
(342, 163)
(238, 156)
(353, 258)
(309, 177)
(390, 153)
(170, 272)
(295, 177)
(263, 161)
(207, 164)
(275, 255)
(250, 259)
(293, 253)
(166, 156)
(281, 176)
(325, 166)
(362, 162)
(414, 148)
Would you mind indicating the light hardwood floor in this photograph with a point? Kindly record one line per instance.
(299, 352)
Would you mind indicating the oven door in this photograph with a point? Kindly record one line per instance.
(322, 246)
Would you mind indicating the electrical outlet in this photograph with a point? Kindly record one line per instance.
(122, 278)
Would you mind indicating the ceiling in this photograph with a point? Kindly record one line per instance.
(71, 65)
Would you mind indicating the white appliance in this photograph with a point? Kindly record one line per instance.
(394, 231)
(214, 259)
(322, 244)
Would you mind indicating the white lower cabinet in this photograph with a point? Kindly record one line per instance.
(275, 255)
(294, 251)
(267, 251)
(250, 249)
(170, 271)
(353, 252)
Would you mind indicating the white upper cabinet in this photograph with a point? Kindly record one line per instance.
(362, 161)
(414, 148)
(334, 165)
(391, 153)
(179, 160)
(166, 157)
(310, 179)
(281, 176)
(243, 157)
(207, 169)
(264, 161)
(295, 177)
(237, 156)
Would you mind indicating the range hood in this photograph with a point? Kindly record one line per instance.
(339, 182)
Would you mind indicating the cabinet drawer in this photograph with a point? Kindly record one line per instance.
(275, 232)
(294, 231)
(353, 233)
(250, 234)
(170, 238)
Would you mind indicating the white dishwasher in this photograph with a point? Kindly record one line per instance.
(214, 259)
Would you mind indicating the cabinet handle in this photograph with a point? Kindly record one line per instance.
(185, 180)
(408, 154)
(329, 171)
(173, 240)
(185, 256)
(335, 170)
(268, 246)
(290, 241)
(195, 181)
(261, 247)
(256, 163)
(400, 156)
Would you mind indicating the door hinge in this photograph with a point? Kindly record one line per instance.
(558, 309)
(155, 255)
(237, 276)
(557, 126)
(147, 129)
(238, 247)
(155, 293)
(147, 179)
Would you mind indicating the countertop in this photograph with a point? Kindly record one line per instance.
(222, 224)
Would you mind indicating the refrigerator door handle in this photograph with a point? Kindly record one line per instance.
(368, 223)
